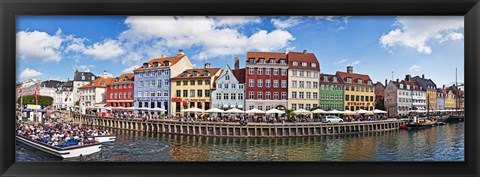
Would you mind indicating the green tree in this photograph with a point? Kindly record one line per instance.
(380, 104)
(290, 114)
(42, 100)
(77, 103)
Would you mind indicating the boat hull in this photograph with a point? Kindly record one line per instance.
(106, 138)
(454, 119)
(69, 152)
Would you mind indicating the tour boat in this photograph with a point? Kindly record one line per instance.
(421, 123)
(105, 138)
(66, 152)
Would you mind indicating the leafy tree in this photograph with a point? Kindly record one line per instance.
(77, 103)
(290, 114)
(42, 100)
(380, 104)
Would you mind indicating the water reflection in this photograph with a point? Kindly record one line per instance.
(444, 143)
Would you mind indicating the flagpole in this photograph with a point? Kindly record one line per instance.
(21, 101)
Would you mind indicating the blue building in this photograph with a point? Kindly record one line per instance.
(152, 88)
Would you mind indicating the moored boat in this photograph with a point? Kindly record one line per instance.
(105, 138)
(65, 152)
(421, 122)
(455, 119)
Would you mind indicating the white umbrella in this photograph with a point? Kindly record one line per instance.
(193, 109)
(361, 111)
(301, 111)
(255, 111)
(119, 107)
(129, 108)
(234, 110)
(158, 109)
(214, 110)
(275, 111)
(319, 111)
(378, 111)
(335, 112)
(143, 109)
(348, 112)
(369, 113)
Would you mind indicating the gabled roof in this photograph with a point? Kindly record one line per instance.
(88, 76)
(239, 74)
(160, 61)
(200, 72)
(330, 79)
(344, 75)
(122, 79)
(97, 82)
(300, 57)
(267, 55)
(51, 83)
(413, 85)
(68, 84)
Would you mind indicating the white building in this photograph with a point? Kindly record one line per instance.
(64, 96)
(94, 94)
(81, 79)
(403, 96)
(229, 91)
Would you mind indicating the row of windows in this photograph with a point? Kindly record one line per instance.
(305, 95)
(152, 73)
(121, 95)
(359, 81)
(304, 84)
(304, 64)
(251, 83)
(229, 96)
(87, 91)
(268, 96)
(331, 106)
(153, 83)
(152, 93)
(263, 61)
(268, 71)
(359, 107)
(120, 86)
(304, 106)
(295, 73)
(411, 93)
(227, 86)
(198, 93)
(408, 100)
(193, 82)
(358, 98)
(331, 87)
(88, 98)
(331, 97)
(260, 107)
(359, 88)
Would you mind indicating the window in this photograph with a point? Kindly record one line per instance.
(259, 83)
(260, 71)
(261, 60)
(111, 95)
(159, 93)
(284, 95)
(226, 86)
(357, 98)
(207, 82)
(250, 82)
(282, 61)
(233, 96)
(349, 80)
(240, 86)
(250, 71)
(294, 84)
(227, 77)
(166, 82)
(185, 82)
(352, 98)
(200, 82)
(304, 64)
(192, 93)
(250, 95)
(309, 74)
(251, 61)
(185, 93)
(295, 63)
(240, 96)
(294, 73)
(141, 84)
(284, 83)
(234, 86)
(259, 95)
(309, 84)
(315, 85)
(294, 106)
(275, 83)
(129, 94)
(294, 94)
(179, 83)
(145, 94)
(268, 96)
(260, 107)
(307, 106)
(359, 81)
(153, 83)
(302, 73)
(219, 96)
(207, 93)
(275, 71)
(300, 95)
(199, 93)
(146, 83)
(250, 107)
(219, 85)
(302, 84)
(178, 93)
(140, 94)
(322, 87)
(313, 65)
(271, 60)
(300, 106)
(284, 72)
(275, 95)
(309, 95)
(267, 71)
(192, 82)
(315, 95)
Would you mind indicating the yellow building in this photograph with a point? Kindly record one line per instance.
(192, 88)
(359, 90)
(303, 92)
(450, 100)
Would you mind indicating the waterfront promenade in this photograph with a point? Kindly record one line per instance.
(234, 129)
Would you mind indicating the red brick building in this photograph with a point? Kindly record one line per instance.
(266, 80)
(120, 91)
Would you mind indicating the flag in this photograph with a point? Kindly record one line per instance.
(36, 94)
(66, 98)
(20, 93)
(80, 97)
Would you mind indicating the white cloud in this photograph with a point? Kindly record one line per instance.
(105, 50)
(340, 62)
(85, 67)
(236, 20)
(36, 45)
(416, 32)
(129, 69)
(30, 73)
(213, 35)
(285, 23)
(355, 63)
(415, 68)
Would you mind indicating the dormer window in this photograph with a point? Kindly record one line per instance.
(195, 73)
(304, 64)
(295, 63)
(145, 65)
(117, 79)
(251, 61)
(349, 80)
(102, 83)
(271, 60)
(359, 81)
(408, 87)
(335, 79)
(369, 82)
(166, 63)
(313, 65)
(282, 61)
(155, 64)
(126, 78)
(325, 78)
(185, 74)
(401, 86)
(206, 73)
(261, 60)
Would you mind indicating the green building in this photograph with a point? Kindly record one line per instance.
(331, 92)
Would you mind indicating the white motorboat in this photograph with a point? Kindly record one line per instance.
(66, 152)
(105, 138)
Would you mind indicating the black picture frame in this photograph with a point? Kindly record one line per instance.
(10, 8)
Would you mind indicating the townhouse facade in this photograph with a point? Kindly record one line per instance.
(303, 87)
(152, 83)
(430, 88)
(229, 89)
(331, 92)
(266, 80)
(120, 91)
(94, 94)
(450, 99)
(192, 88)
(403, 96)
(64, 96)
(358, 89)
(81, 79)
(441, 94)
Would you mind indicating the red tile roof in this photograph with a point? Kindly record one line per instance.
(97, 82)
(267, 55)
(300, 57)
(160, 61)
(200, 72)
(130, 76)
(330, 79)
(413, 85)
(344, 75)
(239, 74)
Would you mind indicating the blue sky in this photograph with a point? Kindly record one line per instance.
(51, 46)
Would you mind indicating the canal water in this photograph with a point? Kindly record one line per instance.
(441, 143)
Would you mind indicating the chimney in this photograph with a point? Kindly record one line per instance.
(443, 87)
(162, 56)
(349, 69)
(408, 77)
(397, 80)
(236, 61)
(385, 82)
(304, 51)
(423, 76)
(180, 52)
(207, 65)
